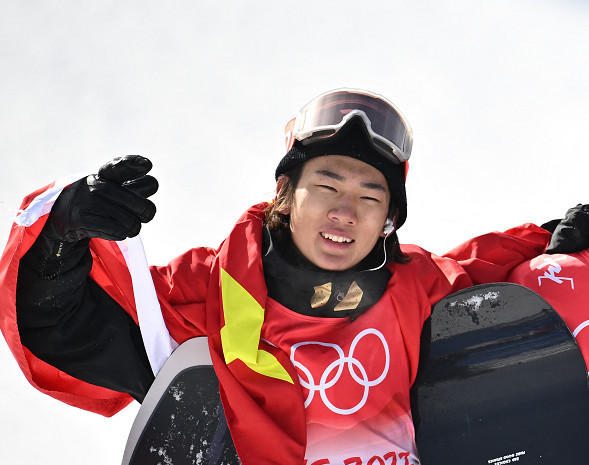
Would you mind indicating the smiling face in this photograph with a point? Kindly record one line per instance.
(339, 207)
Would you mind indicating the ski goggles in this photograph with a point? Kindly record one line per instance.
(326, 115)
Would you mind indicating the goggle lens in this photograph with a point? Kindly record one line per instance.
(324, 116)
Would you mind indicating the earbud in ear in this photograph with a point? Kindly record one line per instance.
(389, 227)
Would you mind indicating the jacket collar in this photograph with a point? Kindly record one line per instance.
(293, 281)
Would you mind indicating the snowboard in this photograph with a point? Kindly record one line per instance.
(501, 381)
(181, 420)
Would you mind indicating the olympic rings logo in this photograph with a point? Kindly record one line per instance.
(339, 364)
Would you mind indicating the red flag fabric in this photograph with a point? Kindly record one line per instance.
(46, 378)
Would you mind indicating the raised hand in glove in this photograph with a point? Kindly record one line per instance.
(572, 233)
(111, 205)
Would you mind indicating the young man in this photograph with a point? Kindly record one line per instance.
(312, 310)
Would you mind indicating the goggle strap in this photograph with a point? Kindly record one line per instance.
(289, 138)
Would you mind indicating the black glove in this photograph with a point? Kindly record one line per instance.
(109, 205)
(572, 233)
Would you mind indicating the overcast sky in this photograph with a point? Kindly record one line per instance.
(496, 93)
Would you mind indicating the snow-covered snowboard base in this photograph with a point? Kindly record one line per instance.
(503, 382)
(181, 420)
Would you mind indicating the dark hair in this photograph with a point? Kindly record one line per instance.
(276, 218)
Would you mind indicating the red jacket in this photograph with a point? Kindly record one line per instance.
(562, 281)
(222, 294)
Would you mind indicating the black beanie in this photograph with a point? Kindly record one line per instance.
(352, 141)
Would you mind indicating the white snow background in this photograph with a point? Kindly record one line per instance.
(496, 92)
